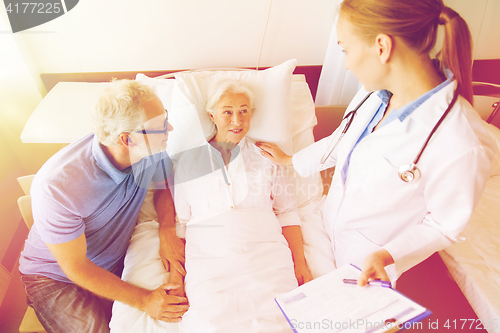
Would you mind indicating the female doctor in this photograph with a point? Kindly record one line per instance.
(394, 202)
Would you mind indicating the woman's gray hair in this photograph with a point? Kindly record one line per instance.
(119, 109)
(224, 86)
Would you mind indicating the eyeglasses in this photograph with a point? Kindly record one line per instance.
(162, 131)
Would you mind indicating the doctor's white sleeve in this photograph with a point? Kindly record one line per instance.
(307, 161)
(284, 199)
(450, 195)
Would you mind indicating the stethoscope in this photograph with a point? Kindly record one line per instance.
(408, 172)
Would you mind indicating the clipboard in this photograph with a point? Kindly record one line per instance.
(327, 304)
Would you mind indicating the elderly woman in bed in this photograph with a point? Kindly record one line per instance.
(243, 236)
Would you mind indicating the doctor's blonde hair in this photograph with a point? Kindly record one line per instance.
(119, 109)
(225, 86)
(416, 22)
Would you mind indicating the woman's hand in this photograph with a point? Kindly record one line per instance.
(172, 250)
(274, 154)
(176, 278)
(373, 267)
(302, 274)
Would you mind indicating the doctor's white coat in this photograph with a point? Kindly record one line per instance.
(375, 209)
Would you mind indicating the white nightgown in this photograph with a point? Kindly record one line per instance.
(237, 259)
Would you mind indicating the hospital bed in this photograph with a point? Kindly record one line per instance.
(285, 115)
(474, 263)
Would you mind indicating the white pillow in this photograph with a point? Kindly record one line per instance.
(303, 117)
(302, 113)
(189, 131)
(270, 122)
(182, 115)
(162, 87)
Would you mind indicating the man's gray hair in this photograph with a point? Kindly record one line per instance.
(224, 86)
(119, 109)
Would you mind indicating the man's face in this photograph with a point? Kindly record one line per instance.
(151, 137)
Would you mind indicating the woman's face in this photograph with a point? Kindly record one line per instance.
(360, 56)
(232, 117)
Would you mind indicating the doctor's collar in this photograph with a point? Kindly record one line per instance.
(448, 76)
(385, 96)
(404, 111)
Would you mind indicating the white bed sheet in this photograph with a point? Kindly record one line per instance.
(475, 263)
(143, 266)
(237, 261)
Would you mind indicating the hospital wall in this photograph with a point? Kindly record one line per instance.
(129, 35)
(123, 35)
(19, 96)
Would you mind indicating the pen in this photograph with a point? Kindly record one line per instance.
(378, 283)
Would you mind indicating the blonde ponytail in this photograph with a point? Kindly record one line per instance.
(416, 22)
(456, 52)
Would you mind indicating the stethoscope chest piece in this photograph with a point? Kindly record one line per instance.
(409, 173)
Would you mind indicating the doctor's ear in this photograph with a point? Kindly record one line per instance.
(384, 46)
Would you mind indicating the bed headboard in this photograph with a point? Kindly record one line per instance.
(49, 80)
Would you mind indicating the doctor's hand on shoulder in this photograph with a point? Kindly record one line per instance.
(274, 154)
(373, 267)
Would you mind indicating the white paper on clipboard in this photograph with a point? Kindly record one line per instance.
(327, 304)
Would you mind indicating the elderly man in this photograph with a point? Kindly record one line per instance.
(85, 202)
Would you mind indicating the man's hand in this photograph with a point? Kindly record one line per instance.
(172, 250)
(159, 305)
(73, 260)
(373, 267)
